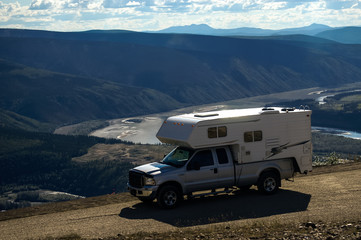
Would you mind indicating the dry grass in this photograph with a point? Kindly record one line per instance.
(125, 152)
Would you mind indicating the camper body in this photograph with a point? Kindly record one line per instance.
(224, 149)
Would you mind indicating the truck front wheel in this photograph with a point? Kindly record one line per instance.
(168, 197)
(268, 183)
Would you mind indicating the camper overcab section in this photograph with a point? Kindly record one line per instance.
(239, 148)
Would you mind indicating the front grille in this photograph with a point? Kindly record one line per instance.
(135, 179)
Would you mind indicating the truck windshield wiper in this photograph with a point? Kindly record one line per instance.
(170, 164)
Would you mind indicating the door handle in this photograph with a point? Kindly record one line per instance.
(215, 170)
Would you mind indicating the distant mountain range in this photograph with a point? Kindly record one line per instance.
(204, 29)
(67, 77)
(342, 34)
(348, 35)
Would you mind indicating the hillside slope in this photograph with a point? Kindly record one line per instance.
(180, 69)
(302, 209)
(13, 120)
(348, 35)
(62, 98)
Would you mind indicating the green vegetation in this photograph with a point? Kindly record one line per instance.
(13, 120)
(44, 160)
(83, 128)
(61, 99)
(324, 144)
(343, 110)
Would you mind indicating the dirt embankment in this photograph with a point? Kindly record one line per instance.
(323, 205)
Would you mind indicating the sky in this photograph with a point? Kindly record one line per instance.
(150, 15)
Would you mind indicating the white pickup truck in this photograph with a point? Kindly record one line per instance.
(220, 150)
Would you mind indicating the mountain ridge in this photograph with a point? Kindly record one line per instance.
(168, 70)
(205, 29)
(346, 35)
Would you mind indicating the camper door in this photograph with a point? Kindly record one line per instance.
(252, 148)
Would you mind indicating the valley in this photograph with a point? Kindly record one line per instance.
(73, 104)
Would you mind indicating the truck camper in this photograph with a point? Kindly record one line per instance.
(223, 150)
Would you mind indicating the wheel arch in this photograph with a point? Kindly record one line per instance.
(172, 183)
(274, 170)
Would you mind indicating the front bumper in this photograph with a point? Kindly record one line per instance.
(146, 191)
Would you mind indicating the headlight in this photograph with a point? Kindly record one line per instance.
(149, 181)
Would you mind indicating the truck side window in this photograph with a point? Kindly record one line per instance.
(201, 159)
(222, 156)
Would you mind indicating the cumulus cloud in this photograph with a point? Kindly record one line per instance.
(158, 14)
(64, 4)
(41, 5)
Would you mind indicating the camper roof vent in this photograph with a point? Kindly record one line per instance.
(267, 110)
(206, 115)
(288, 109)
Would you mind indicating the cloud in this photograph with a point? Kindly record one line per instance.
(41, 5)
(64, 4)
(158, 14)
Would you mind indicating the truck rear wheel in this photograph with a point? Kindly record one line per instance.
(268, 183)
(168, 197)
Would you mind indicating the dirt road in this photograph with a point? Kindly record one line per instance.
(326, 196)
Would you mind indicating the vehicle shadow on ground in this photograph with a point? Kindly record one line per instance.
(222, 208)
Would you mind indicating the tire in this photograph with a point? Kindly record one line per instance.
(168, 197)
(268, 183)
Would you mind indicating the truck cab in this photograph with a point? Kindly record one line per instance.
(187, 169)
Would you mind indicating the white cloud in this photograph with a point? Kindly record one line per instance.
(41, 5)
(157, 14)
(133, 3)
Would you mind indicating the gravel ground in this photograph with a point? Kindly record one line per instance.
(323, 205)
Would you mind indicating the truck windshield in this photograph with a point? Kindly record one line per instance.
(178, 157)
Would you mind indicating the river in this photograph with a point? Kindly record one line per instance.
(338, 132)
(142, 129)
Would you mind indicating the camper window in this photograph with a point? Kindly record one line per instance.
(248, 137)
(254, 136)
(212, 132)
(257, 136)
(222, 131)
(215, 132)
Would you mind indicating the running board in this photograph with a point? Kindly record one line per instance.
(213, 192)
